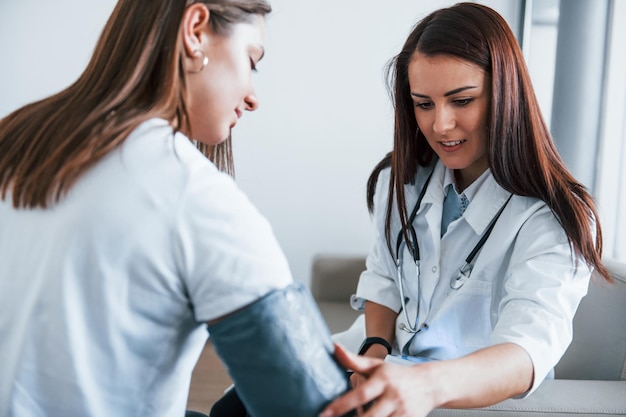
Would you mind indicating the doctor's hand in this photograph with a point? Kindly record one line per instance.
(375, 351)
(394, 390)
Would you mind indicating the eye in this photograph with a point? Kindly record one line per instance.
(424, 105)
(463, 101)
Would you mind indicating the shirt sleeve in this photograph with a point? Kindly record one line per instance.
(227, 252)
(542, 289)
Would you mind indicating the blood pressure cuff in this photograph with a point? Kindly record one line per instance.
(279, 353)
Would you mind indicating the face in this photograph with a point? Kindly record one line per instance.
(451, 99)
(223, 90)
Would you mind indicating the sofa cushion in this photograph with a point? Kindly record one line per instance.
(556, 398)
(598, 349)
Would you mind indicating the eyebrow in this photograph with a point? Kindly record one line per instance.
(449, 93)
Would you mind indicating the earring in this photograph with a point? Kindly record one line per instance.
(417, 131)
(205, 61)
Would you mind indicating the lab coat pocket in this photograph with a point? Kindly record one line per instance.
(470, 313)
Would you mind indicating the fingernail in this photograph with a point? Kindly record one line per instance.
(327, 413)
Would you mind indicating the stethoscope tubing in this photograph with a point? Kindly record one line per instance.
(413, 247)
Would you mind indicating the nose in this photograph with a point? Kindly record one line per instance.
(251, 101)
(444, 120)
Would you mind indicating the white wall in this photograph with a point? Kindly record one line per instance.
(45, 45)
(325, 117)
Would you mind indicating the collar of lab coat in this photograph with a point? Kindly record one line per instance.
(488, 199)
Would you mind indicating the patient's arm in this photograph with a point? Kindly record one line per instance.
(279, 353)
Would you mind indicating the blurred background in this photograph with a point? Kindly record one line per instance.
(325, 117)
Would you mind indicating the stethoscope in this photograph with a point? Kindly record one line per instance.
(413, 247)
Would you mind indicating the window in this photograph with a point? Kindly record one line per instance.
(580, 80)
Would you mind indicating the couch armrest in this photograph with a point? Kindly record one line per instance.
(334, 278)
(557, 398)
(339, 316)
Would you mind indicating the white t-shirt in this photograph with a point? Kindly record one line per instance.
(105, 294)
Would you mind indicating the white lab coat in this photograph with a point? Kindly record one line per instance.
(525, 286)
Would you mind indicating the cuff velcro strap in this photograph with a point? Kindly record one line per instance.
(374, 341)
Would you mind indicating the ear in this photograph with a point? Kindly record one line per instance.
(195, 28)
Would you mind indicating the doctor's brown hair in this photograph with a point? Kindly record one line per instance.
(521, 153)
(135, 74)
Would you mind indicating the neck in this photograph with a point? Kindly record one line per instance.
(465, 178)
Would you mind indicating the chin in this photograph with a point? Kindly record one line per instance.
(451, 163)
(213, 140)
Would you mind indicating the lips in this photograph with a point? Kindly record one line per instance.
(238, 113)
(452, 143)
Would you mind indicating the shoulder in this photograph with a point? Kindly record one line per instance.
(520, 214)
(381, 191)
(163, 163)
(521, 206)
(534, 227)
(419, 180)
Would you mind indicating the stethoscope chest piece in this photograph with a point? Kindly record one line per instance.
(464, 274)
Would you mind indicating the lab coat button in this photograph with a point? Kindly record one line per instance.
(434, 269)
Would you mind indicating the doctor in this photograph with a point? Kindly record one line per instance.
(485, 241)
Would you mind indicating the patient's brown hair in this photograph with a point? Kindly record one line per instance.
(135, 74)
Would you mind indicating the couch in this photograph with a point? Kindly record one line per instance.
(590, 379)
